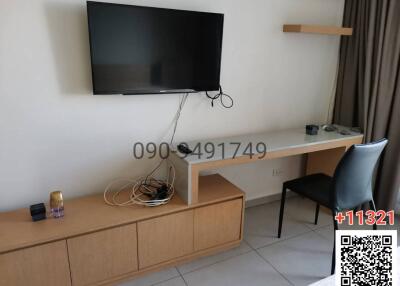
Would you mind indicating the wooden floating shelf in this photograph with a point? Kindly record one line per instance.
(316, 29)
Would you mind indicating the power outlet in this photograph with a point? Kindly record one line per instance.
(277, 172)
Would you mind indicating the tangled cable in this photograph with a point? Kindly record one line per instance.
(147, 190)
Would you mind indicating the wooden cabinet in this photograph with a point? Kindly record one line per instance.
(36, 266)
(96, 244)
(217, 224)
(164, 238)
(102, 255)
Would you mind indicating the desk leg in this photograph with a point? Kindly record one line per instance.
(186, 179)
(194, 184)
(182, 178)
(324, 161)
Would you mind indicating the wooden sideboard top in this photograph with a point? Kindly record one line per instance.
(89, 214)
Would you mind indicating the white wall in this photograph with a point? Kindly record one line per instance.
(55, 134)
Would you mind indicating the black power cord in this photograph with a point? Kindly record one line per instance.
(221, 96)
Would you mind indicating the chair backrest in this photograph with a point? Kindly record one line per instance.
(352, 181)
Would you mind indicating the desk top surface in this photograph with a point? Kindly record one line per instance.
(227, 147)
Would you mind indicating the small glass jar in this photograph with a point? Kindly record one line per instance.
(56, 204)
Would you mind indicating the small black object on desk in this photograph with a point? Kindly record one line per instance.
(38, 212)
(184, 149)
(312, 129)
(329, 128)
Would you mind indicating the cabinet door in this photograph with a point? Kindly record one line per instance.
(165, 238)
(217, 224)
(103, 255)
(36, 266)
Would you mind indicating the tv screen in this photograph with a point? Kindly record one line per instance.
(139, 50)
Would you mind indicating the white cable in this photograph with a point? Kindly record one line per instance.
(140, 188)
(148, 185)
(182, 102)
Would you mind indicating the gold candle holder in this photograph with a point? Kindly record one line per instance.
(57, 204)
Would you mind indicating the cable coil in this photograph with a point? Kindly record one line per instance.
(146, 191)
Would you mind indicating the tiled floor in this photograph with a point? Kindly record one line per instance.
(302, 256)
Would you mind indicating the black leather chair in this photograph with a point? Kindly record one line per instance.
(349, 188)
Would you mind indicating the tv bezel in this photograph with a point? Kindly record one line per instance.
(151, 91)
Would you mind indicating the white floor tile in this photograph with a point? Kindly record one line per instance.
(326, 232)
(303, 259)
(178, 281)
(261, 225)
(304, 210)
(153, 278)
(208, 260)
(248, 269)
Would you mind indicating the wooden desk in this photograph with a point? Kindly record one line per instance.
(96, 244)
(323, 153)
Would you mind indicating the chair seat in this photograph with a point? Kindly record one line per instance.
(316, 187)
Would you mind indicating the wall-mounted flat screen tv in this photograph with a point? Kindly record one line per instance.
(143, 50)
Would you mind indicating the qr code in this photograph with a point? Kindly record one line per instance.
(366, 257)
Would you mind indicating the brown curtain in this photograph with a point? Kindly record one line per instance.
(368, 87)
